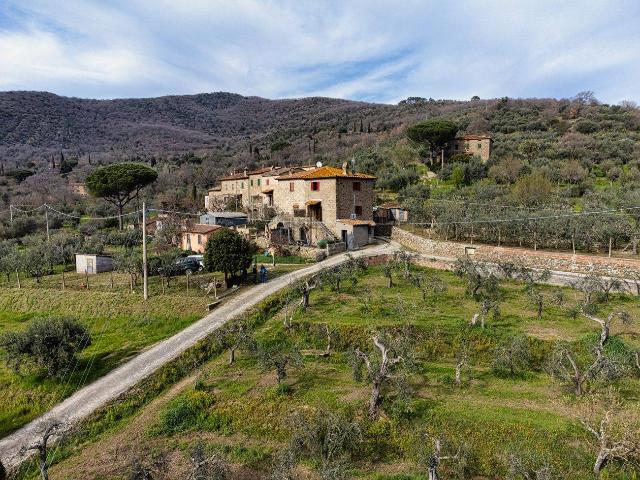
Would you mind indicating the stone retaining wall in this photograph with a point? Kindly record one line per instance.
(580, 263)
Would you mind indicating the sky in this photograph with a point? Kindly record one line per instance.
(374, 50)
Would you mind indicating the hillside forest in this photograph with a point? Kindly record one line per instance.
(550, 158)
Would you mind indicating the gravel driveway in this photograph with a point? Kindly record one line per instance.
(97, 394)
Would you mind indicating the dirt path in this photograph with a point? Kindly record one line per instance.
(93, 396)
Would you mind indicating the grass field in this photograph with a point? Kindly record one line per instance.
(241, 413)
(121, 324)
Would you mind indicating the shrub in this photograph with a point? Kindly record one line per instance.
(184, 412)
(49, 344)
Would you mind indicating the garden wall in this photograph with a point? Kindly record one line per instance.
(558, 261)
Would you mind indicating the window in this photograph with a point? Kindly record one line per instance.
(315, 186)
(267, 181)
(199, 239)
(252, 183)
(356, 186)
(358, 209)
(292, 186)
(242, 185)
(479, 146)
(258, 182)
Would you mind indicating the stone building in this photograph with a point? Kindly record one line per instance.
(325, 203)
(305, 204)
(478, 145)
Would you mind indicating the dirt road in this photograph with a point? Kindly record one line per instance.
(85, 401)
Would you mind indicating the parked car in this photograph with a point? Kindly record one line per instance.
(189, 265)
(199, 258)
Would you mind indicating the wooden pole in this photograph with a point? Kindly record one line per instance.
(215, 288)
(63, 283)
(18, 277)
(610, 245)
(86, 278)
(11, 214)
(145, 279)
(111, 278)
(46, 218)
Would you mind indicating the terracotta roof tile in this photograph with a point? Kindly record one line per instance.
(325, 172)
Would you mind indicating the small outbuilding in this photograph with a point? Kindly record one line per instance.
(355, 233)
(91, 263)
(224, 219)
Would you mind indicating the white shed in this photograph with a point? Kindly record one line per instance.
(91, 263)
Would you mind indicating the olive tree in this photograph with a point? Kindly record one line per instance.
(235, 335)
(278, 354)
(615, 434)
(384, 365)
(327, 437)
(47, 344)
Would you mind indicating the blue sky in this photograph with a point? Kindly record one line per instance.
(371, 50)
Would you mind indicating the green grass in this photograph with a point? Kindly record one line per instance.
(240, 412)
(121, 324)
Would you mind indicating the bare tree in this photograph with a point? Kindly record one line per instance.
(50, 430)
(380, 368)
(436, 457)
(605, 324)
(615, 433)
(527, 466)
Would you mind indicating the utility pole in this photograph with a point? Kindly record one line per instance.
(11, 214)
(145, 280)
(46, 218)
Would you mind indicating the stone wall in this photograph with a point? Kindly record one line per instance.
(566, 262)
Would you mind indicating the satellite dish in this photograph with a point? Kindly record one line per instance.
(318, 164)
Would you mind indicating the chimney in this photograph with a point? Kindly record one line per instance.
(345, 167)
(245, 172)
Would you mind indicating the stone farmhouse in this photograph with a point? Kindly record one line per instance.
(305, 204)
(478, 145)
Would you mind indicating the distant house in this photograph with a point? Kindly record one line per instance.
(390, 213)
(478, 145)
(195, 237)
(225, 219)
(93, 263)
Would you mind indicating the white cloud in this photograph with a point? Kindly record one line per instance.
(382, 50)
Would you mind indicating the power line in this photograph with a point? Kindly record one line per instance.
(524, 219)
